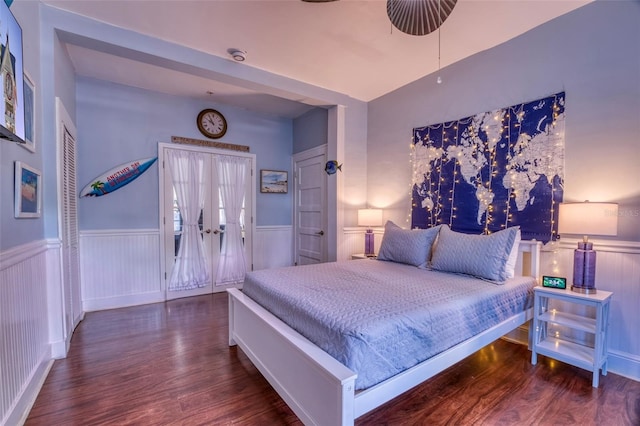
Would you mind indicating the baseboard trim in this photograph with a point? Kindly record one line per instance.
(20, 411)
(624, 364)
(122, 301)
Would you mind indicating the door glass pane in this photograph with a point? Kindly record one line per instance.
(223, 218)
(177, 224)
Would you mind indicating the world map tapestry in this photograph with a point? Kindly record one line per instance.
(484, 173)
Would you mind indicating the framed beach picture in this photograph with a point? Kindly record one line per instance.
(274, 181)
(29, 114)
(28, 191)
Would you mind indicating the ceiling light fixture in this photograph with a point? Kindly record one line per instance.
(238, 55)
(419, 17)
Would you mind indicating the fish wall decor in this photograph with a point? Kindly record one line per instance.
(332, 167)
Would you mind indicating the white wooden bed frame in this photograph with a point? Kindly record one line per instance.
(318, 388)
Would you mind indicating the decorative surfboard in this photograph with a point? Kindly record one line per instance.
(117, 177)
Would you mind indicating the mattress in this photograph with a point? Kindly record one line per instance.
(380, 318)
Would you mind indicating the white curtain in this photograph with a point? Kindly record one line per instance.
(232, 173)
(188, 174)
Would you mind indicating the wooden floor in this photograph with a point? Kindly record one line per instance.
(169, 363)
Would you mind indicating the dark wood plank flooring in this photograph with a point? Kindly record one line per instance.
(169, 363)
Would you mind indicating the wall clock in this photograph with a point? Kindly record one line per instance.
(211, 123)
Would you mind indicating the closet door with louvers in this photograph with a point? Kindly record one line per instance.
(68, 220)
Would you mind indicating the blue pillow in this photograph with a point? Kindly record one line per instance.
(483, 256)
(412, 247)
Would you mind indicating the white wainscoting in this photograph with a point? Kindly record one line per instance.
(120, 268)
(273, 247)
(25, 354)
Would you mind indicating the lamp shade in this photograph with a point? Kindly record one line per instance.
(369, 217)
(588, 218)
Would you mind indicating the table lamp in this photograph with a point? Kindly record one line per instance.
(369, 218)
(586, 219)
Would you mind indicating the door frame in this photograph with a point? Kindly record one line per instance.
(250, 222)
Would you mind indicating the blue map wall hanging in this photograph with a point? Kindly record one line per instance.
(117, 177)
(484, 173)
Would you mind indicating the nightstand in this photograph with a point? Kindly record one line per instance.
(583, 356)
(362, 256)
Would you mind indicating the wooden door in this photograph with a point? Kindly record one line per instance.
(310, 216)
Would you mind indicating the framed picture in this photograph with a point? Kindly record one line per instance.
(29, 114)
(274, 181)
(28, 191)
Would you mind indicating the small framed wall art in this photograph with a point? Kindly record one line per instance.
(28, 191)
(29, 114)
(274, 181)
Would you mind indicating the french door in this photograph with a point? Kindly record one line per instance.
(213, 225)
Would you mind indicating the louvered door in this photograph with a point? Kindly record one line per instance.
(69, 220)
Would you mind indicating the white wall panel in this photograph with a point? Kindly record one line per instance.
(273, 247)
(24, 333)
(120, 268)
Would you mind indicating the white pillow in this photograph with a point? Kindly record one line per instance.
(483, 256)
(510, 267)
(412, 247)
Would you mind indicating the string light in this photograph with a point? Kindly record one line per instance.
(490, 151)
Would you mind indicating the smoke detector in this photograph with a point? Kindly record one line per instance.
(238, 55)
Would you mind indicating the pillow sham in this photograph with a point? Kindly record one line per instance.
(412, 247)
(483, 256)
(510, 267)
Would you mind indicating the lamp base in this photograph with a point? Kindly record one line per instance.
(584, 269)
(583, 290)
(369, 246)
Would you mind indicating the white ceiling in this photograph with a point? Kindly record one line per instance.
(347, 46)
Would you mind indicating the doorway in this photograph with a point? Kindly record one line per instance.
(225, 240)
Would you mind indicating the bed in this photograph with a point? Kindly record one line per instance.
(325, 386)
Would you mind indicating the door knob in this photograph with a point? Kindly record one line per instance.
(320, 233)
(217, 231)
(208, 231)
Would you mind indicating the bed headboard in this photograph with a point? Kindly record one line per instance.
(529, 258)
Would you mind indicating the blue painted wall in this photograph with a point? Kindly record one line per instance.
(597, 66)
(310, 130)
(117, 124)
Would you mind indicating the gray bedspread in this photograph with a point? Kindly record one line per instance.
(380, 318)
